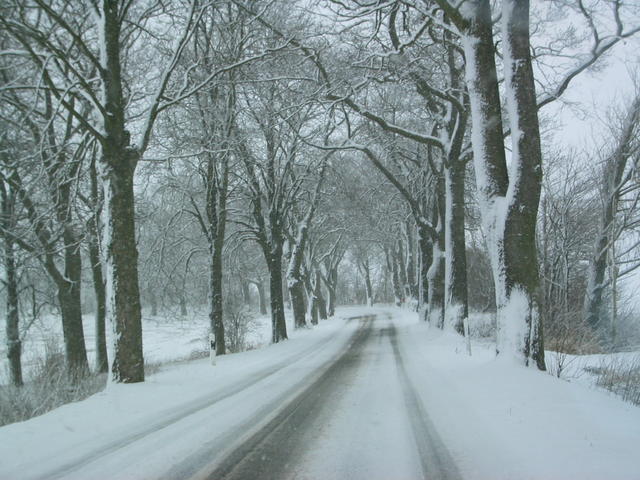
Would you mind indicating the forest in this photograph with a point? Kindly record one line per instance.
(269, 157)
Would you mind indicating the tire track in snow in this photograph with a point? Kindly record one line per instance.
(437, 463)
(171, 417)
(271, 453)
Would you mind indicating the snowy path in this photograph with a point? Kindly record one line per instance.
(379, 396)
(360, 420)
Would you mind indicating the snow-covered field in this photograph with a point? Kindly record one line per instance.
(497, 420)
(166, 338)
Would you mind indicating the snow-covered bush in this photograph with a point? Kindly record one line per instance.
(239, 323)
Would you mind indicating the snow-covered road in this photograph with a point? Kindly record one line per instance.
(374, 394)
(361, 419)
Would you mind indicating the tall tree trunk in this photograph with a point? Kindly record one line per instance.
(154, 303)
(368, 289)
(401, 266)
(216, 319)
(522, 279)
(102, 362)
(436, 299)
(296, 292)
(456, 296)
(262, 301)
(117, 170)
(426, 258)
(436, 282)
(331, 303)
(412, 286)
(278, 324)
(392, 266)
(71, 307)
(123, 296)
(14, 345)
(246, 294)
(508, 203)
(613, 182)
(322, 304)
(183, 305)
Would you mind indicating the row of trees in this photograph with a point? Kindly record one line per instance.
(266, 145)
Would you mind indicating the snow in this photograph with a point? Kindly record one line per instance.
(503, 421)
(497, 420)
(167, 338)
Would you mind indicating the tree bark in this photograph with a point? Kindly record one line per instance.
(402, 270)
(322, 304)
(522, 278)
(261, 297)
(70, 303)
(412, 287)
(216, 319)
(14, 345)
(102, 362)
(117, 169)
(246, 295)
(296, 292)
(278, 324)
(456, 295)
(508, 202)
(613, 182)
(368, 289)
(426, 258)
(123, 296)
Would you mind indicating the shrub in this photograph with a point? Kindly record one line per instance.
(621, 376)
(51, 386)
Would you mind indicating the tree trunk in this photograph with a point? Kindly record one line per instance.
(154, 304)
(508, 205)
(216, 319)
(71, 308)
(14, 345)
(426, 258)
(246, 295)
(331, 304)
(593, 301)
(392, 266)
(436, 281)
(123, 296)
(117, 169)
(296, 292)
(522, 279)
(322, 304)
(102, 362)
(412, 287)
(368, 289)
(278, 324)
(401, 266)
(261, 298)
(456, 296)
(183, 306)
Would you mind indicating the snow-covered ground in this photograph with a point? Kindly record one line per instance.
(166, 338)
(495, 419)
